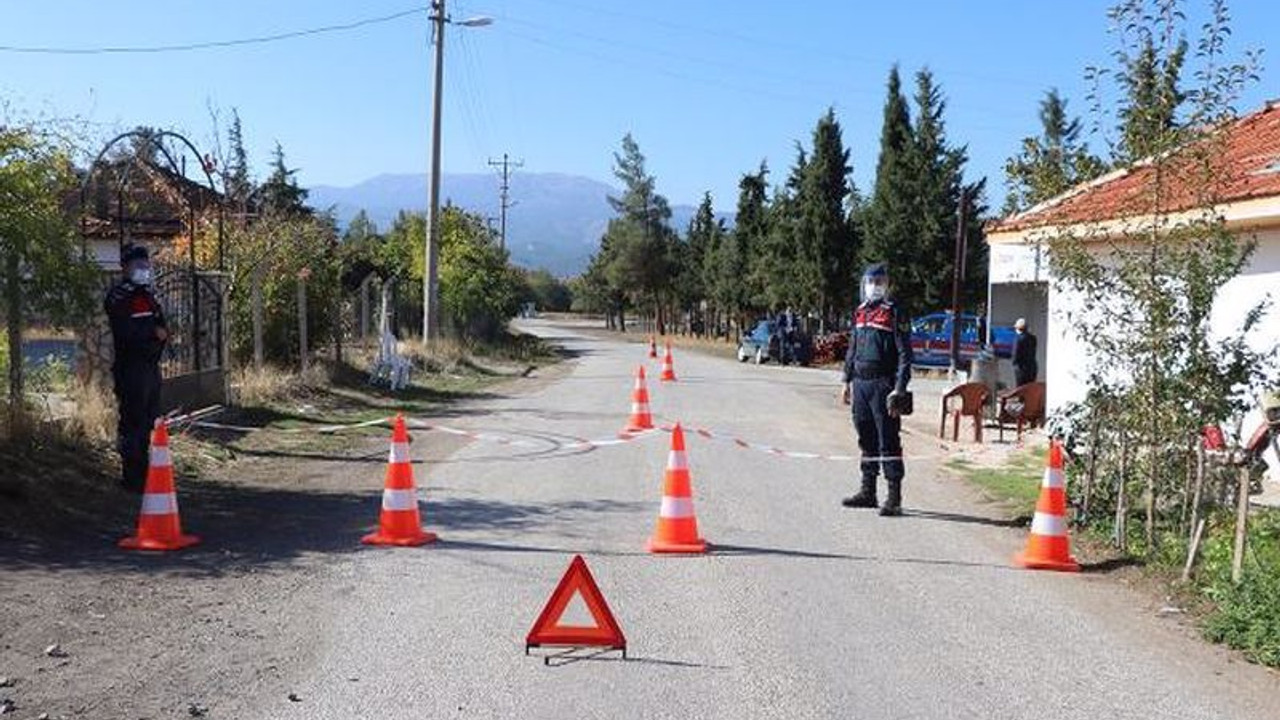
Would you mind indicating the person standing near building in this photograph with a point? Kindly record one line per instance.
(1025, 368)
(877, 368)
(139, 334)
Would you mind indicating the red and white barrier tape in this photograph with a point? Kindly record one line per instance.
(583, 444)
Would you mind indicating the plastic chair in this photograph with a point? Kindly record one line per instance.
(972, 401)
(1023, 405)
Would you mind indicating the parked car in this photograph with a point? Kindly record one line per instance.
(931, 339)
(764, 343)
(759, 344)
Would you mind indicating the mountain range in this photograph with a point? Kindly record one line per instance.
(555, 222)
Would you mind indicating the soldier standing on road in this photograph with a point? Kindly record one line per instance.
(1025, 368)
(877, 369)
(138, 334)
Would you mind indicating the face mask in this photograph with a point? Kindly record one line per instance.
(140, 276)
(873, 290)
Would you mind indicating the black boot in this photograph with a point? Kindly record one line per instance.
(866, 497)
(893, 503)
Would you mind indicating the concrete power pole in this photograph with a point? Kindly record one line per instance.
(430, 279)
(507, 166)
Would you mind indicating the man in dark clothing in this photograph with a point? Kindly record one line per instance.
(138, 334)
(1025, 368)
(877, 368)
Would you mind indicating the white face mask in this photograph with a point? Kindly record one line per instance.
(140, 276)
(874, 289)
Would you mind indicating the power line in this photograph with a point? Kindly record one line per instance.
(260, 40)
(507, 166)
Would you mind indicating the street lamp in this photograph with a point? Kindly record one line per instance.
(430, 279)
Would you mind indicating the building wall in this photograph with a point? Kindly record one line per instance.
(1066, 371)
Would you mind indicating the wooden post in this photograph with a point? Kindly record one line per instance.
(1092, 472)
(1191, 550)
(1197, 494)
(302, 319)
(364, 310)
(1242, 519)
(255, 290)
(1122, 511)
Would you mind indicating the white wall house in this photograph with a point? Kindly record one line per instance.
(1021, 284)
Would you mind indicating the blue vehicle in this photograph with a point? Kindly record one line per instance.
(931, 339)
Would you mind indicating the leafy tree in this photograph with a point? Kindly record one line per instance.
(43, 270)
(1142, 296)
(1052, 163)
(547, 291)
(479, 290)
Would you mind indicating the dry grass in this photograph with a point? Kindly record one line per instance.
(269, 384)
(94, 418)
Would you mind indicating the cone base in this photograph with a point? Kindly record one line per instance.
(667, 379)
(139, 543)
(695, 547)
(1067, 565)
(380, 538)
(635, 428)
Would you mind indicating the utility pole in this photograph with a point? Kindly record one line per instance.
(507, 166)
(957, 274)
(430, 280)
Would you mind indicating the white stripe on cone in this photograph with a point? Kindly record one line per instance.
(640, 408)
(399, 452)
(1053, 478)
(677, 460)
(160, 456)
(1051, 525)
(676, 507)
(159, 504)
(399, 499)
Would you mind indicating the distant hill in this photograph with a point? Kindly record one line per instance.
(556, 222)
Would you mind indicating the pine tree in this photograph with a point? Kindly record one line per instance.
(238, 183)
(1149, 114)
(640, 234)
(736, 291)
(281, 193)
(936, 168)
(1052, 163)
(891, 231)
(823, 193)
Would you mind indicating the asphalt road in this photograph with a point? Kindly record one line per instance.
(803, 610)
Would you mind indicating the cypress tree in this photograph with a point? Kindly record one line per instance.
(891, 230)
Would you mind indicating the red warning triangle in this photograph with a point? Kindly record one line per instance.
(547, 630)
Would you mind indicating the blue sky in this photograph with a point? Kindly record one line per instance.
(709, 89)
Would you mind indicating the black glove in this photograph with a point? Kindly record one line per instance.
(900, 403)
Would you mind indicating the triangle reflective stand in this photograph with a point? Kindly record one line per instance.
(547, 630)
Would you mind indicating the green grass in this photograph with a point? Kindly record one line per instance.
(1014, 486)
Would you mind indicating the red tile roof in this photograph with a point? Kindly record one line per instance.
(1250, 157)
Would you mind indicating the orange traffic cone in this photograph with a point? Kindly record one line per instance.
(159, 527)
(399, 523)
(668, 367)
(1049, 548)
(677, 529)
(653, 348)
(641, 417)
